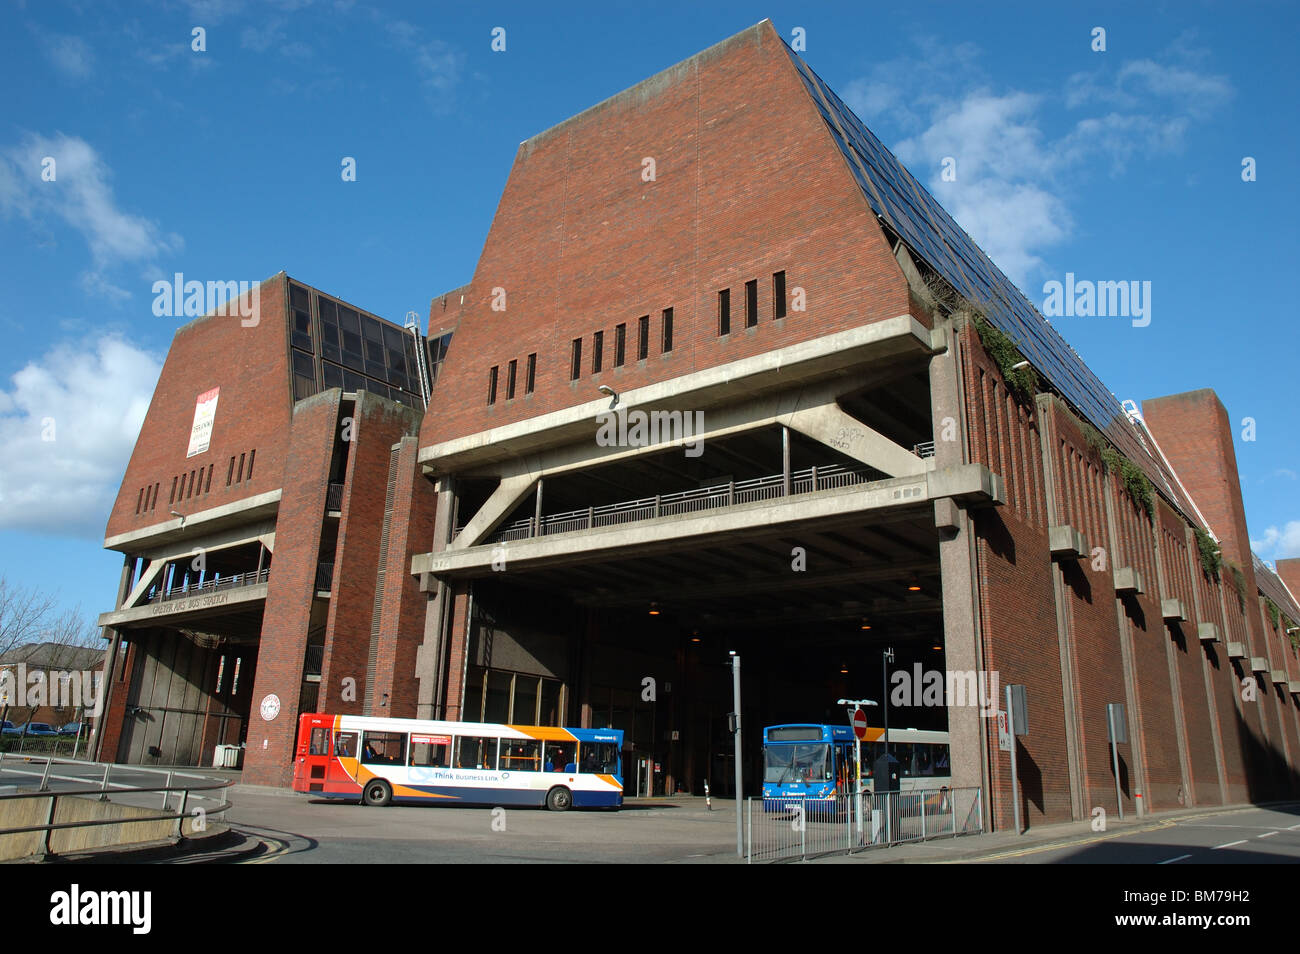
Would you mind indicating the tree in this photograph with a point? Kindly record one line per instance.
(28, 615)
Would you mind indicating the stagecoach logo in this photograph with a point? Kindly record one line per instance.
(76, 907)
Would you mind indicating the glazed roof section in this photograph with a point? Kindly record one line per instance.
(932, 235)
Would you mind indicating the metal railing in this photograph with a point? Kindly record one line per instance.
(782, 829)
(315, 660)
(324, 577)
(770, 487)
(334, 497)
(234, 581)
(101, 789)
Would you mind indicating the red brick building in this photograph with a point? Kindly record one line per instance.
(822, 445)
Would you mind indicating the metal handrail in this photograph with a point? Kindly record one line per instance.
(812, 479)
(334, 497)
(251, 578)
(102, 790)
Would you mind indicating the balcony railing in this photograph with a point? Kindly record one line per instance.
(315, 660)
(234, 581)
(334, 497)
(324, 577)
(733, 492)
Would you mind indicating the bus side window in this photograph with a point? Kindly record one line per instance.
(345, 745)
(319, 742)
(561, 757)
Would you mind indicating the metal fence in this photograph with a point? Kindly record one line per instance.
(771, 487)
(783, 829)
(176, 802)
(233, 581)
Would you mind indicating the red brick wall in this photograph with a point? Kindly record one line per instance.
(1189, 662)
(404, 606)
(290, 589)
(1017, 603)
(748, 182)
(250, 365)
(377, 426)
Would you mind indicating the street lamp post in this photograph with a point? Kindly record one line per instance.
(735, 683)
(853, 705)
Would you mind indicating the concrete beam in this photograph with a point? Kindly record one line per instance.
(682, 528)
(238, 512)
(170, 612)
(503, 500)
(818, 361)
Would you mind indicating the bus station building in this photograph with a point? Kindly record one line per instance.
(726, 378)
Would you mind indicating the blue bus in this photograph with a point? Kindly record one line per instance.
(818, 761)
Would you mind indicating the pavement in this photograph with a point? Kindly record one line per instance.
(274, 825)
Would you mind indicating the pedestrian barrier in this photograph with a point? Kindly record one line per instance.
(54, 817)
(782, 829)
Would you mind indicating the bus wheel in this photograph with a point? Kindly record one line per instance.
(559, 799)
(377, 792)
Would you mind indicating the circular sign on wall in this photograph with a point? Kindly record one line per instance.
(270, 707)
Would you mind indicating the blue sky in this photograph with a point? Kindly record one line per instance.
(1122, 164)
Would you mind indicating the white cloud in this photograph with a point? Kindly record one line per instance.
(81, 196)
(92, 403)
(438, 64)
(1000, 159)
(70, 55)
(1014, 180)
(1278, 544)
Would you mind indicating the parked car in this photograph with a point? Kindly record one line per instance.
(36, 729)
(8, 728)
(72, 728)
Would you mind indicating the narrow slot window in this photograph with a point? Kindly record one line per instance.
(512, 370)
(778, 294)
(251, 455)
(620, 345)
(530, 374)
(724, 312)
(230, 473)
(597, 351)
(666, 342)
(643, 337)
(751, 303)
(492, 385)
(239, 474)
(172, 499)
(575, 359)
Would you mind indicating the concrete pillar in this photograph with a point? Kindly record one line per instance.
(1073, 759)
(963, 647)
(431, 657)
(110, 662)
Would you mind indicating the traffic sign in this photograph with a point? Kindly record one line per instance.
(860, 724)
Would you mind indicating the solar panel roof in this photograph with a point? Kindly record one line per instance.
(934, 236)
